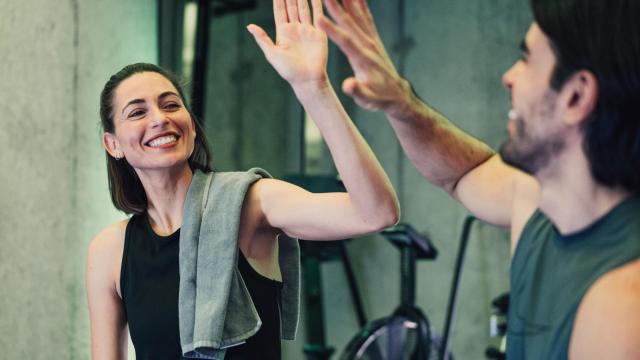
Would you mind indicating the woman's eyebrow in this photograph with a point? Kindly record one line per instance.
(134, 101)
(141, 101)
(167, 93)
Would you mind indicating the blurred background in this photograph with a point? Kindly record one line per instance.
(55, 56)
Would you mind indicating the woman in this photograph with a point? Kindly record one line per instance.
(154, 145)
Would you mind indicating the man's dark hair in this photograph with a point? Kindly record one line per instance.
(125, 187)
(603, 37)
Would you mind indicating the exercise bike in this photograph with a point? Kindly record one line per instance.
(407, 334)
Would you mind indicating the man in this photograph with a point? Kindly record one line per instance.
(565, 182)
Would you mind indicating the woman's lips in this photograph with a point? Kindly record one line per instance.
(162, 141)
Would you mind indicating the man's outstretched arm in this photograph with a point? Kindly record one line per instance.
(445, 155)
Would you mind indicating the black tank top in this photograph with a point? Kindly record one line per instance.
(149, 281)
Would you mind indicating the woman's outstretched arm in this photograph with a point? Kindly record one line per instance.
(299, 55)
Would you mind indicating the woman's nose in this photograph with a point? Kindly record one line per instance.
(159, 118)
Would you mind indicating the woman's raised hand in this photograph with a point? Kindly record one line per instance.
(299, 53)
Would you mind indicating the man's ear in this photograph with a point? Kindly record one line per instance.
(579, 97)
(112, 145)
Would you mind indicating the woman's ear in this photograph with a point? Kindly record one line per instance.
(579, 97)
(112, 146)
(193, 125)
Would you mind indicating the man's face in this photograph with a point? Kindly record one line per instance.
(536, 132)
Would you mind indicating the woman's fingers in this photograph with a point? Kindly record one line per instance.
(279, 13)
(317, 10)
(292, 10)
(262, 39)
(286, 11)
(304, 11)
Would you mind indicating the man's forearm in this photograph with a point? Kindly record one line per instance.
(441, 151)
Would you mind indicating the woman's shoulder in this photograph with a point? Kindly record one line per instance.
(104, 256)
(112, 235)
(108, 244)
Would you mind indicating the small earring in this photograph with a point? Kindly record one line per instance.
(118, 156)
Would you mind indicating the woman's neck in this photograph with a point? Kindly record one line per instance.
(166, 192)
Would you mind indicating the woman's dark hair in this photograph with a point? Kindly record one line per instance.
(603, 37)
(125, 187)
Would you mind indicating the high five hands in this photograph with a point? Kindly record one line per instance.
(299, 53)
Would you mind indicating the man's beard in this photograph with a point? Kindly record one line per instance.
(530, 152)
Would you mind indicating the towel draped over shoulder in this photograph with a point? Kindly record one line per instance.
(214, 306)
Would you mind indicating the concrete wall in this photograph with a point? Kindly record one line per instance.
(461, 49)
(54, 59)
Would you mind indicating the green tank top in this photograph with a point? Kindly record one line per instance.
(550, 274)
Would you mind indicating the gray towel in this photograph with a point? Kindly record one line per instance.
(214, 306)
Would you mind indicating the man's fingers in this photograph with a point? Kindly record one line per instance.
(346, 21)
(356, 13)
(371, 25)
(344, 41)
(336, 11)
(348, 85)
(262, 39)
(368, 17)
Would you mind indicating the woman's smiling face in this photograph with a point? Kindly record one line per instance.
(153, 129)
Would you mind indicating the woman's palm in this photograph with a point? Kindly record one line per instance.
(300, 54)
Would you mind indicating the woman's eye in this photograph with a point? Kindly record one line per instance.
(172, 106)
(136, 113)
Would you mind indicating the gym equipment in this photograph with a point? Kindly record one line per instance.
(498, 327)
(407, 334)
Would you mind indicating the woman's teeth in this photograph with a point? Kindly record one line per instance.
(162, 140)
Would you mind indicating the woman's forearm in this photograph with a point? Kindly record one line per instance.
(368, 186)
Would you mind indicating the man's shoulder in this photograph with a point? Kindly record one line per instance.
(608, 320)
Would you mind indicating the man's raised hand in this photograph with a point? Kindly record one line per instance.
(376, 84)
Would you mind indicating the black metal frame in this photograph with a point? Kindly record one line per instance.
(455, 285)
(170, 23)
(170, 32)
(199, 74)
